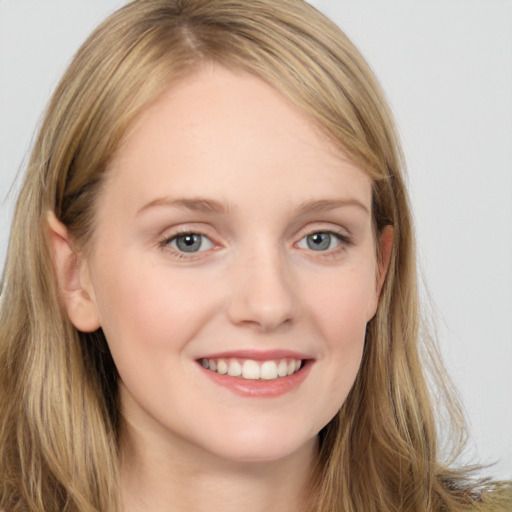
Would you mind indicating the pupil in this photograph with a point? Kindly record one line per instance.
(189, 243)
(319, 241)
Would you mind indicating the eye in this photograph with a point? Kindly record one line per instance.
(190, 242)
(321, 241)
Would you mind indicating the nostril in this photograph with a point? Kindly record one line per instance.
(263, 295)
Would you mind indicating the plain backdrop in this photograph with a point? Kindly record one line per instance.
(446, 67)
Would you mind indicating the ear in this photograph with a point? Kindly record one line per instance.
(75, 289)
(385, 245)
(384, 255)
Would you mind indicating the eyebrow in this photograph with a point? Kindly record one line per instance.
(196, 204)
(324, 205)
(206, 205)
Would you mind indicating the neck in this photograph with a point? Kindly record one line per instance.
(181, 477)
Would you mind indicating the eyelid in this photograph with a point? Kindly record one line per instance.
(193, 228)
(345, 241)
(344, 238)
(171, 235)
(174, 240)
(325, 227)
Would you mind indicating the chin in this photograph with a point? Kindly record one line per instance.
(261, 446)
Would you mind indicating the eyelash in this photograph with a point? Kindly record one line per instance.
(344, 241)
(165, 244)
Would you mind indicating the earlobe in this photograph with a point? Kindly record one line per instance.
(75, 289)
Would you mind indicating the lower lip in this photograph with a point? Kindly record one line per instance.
(260, 388)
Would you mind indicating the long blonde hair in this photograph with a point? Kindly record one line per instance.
(58, 397)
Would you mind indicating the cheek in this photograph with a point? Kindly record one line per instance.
(340, 315)
(345, 306)
(149, 310)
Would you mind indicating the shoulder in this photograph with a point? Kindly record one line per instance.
(496, 498)
(462, 494)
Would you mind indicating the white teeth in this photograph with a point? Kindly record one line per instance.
(253, 370)
(282, 368)
(234, 368)
(269, 370)
(222, 367)
(250, 370)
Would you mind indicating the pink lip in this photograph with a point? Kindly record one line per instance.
(257, 355)
(259, 388)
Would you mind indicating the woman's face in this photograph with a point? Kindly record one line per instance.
(231, 238)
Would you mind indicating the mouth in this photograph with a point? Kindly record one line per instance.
(253, 374)
(252, 369)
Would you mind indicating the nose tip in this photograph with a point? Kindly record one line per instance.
(263, 296)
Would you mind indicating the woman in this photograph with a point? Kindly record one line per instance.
(210, 293)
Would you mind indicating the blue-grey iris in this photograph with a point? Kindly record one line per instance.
(189, 242)
(319, 241)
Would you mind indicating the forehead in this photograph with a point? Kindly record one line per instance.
(218, 132)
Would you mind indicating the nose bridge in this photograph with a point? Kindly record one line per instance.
(262, 291)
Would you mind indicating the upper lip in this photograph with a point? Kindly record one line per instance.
(257, 355)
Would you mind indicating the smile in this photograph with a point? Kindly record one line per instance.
(251, 369)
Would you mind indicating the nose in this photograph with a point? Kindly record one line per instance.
(262, 293)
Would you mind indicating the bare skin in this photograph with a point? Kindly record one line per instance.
(184, 479)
